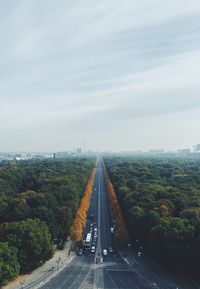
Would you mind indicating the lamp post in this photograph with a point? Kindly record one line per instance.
(43, 257)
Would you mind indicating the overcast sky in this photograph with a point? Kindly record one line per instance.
(123, 75)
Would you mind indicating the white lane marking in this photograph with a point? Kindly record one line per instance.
(125, 259)
(113, 281)
(118, 270)
(135, 260)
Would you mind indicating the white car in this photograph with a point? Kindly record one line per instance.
(92, 249)
(105, 252)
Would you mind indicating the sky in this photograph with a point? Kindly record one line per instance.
(117, 75)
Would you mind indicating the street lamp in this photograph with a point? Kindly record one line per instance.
(43, 257)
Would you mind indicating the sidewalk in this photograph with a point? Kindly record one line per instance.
(43, 274)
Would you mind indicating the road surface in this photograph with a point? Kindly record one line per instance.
(116, 271)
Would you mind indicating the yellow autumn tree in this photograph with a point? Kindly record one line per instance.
(81, 214)
(121, 234)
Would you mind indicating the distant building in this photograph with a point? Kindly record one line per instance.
(198, 148)
(79, 151)
(62, 155)
(183, 151)
(157, 152)
(49, 156)
(22, 157)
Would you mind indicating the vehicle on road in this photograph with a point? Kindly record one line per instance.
(86, 251)
(79, 251)
(105, 252)
(88, 240)
(112, 230)
(110, 250)
(93, 249)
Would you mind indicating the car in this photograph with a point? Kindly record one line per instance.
(93, 249)
(110, 249)
(86, 251)
(95, 230)
(80, 252)
(139, 254)
(105, 252)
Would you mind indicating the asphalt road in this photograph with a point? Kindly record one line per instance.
(117, 271)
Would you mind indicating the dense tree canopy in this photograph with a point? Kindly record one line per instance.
(9, 266)
(49, 190)
(38, 203)
(31, 238)
(160, 201)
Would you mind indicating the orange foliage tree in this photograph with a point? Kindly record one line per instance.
(121, 234)
(81, 214)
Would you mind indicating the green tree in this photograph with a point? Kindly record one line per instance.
(33, 241)
(9, 266)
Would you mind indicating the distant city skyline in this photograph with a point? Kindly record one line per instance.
(81, 150)
(119, 75)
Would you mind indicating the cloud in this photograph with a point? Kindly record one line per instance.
(79, 68)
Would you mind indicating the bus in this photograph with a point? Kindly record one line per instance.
(88, 240)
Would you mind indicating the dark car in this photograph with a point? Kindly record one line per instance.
(79, 252)
(86, 251)
(110, 250)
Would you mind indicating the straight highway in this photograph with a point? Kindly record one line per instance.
(116, 271)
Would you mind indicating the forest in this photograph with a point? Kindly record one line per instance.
(160, 201)
(38, 203)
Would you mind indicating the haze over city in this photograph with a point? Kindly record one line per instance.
(123, 75)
